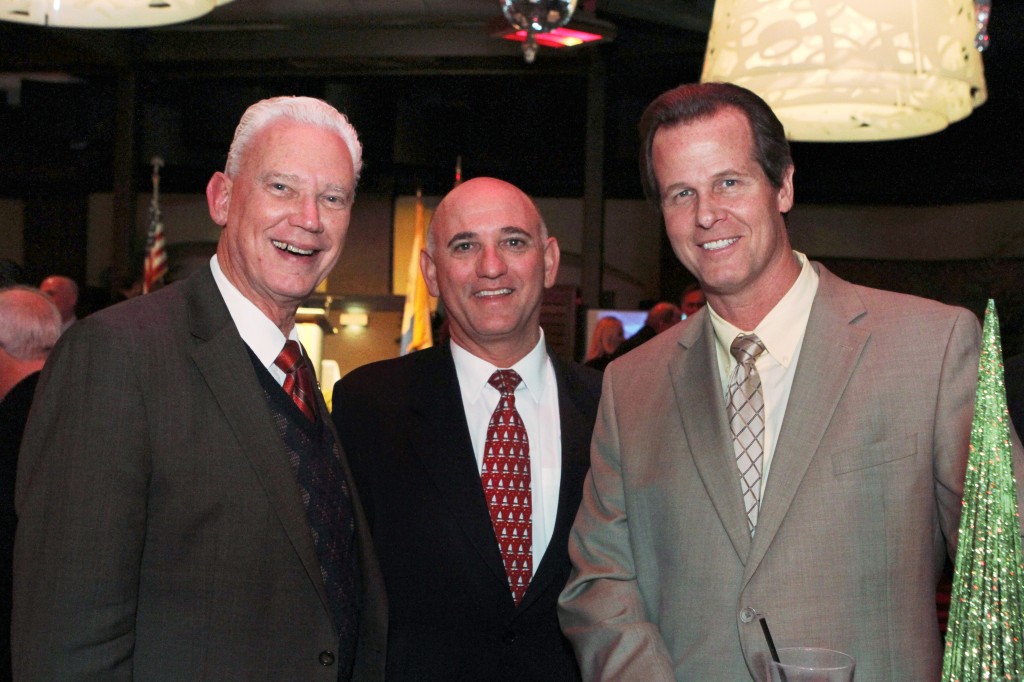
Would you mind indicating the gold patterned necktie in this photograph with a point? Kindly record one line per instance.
(506, 481)
(746, 420)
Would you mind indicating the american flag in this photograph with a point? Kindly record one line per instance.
(156, 248)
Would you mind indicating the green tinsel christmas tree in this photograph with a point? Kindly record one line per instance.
(985, 639)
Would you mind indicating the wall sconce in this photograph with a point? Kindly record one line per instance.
(105, 13)
(851, 70)
(355, 319)
(317, 316)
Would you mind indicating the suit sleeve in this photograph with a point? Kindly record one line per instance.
(601, 609)
(81, 503)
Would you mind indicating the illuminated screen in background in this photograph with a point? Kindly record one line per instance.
(632, 320)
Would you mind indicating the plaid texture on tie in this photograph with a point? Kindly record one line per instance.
(298, 382)
(746, 420)
(506, 481)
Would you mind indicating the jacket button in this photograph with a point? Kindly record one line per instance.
(748, 615)
(509, 637)
(326, 658)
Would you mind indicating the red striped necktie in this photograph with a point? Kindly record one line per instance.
(298, 382)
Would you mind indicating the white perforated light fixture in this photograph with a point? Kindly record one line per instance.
(105, 13)
(851, 70)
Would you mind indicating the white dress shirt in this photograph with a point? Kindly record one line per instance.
(262, 336)
(782, 333)
(537, 403)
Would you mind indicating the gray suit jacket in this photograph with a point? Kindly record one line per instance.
(861, 503)
(161, 532)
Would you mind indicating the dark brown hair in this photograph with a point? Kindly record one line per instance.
(694, 101)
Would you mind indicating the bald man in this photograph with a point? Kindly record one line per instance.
(462, 606)
(64, 292)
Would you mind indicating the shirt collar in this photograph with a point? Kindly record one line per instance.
(473, 372)
(261, 335)
(783, 327)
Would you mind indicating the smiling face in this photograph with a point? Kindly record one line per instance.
(490, 264)
(722, 215)
(284, 214)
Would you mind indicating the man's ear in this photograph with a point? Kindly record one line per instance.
(429, 270)
(218, 197)
(785, 193)
(552, 256)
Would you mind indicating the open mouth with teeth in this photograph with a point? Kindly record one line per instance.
(493, 292)
(719, 244)
(291, 248)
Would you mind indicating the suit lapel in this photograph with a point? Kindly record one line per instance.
(440, 439)
(831, 349)
(220, 356)
(576, 432)
(692, 368)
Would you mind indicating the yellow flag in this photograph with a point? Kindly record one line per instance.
(416, 316)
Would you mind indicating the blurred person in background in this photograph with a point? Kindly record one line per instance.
(608, 336)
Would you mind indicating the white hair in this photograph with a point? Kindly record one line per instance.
(300, 109)
(30, 323)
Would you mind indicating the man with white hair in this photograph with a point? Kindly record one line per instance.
(185, 510)
(29, 328)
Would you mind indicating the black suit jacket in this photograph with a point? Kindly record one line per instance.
(161, 534)
(14, 409)
(452, 617)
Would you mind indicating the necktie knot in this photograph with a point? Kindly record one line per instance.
(289, 357)
(746, 348)
(506, 381)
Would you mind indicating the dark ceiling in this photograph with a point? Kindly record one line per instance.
(424, 83)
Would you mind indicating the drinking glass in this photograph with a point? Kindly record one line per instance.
(806, 664)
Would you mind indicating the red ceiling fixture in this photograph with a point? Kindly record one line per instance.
(549, 23)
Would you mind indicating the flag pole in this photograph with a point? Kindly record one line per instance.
(155, 265)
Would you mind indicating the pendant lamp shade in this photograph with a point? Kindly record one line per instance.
(851, 70)
(110, 14)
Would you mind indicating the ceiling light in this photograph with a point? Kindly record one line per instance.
(535, 17)
(105, 13)
(582, 29)
(851, 70)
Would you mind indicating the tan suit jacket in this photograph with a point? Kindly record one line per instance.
(860, 506)
(161, 532)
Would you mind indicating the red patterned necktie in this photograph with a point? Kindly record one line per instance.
(297, 380)
(506, 481)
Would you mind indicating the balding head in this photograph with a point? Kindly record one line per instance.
(489, 258)
(64, 293)
(662, 316)
(479, 187)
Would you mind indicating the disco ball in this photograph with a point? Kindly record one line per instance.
(536, 16)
